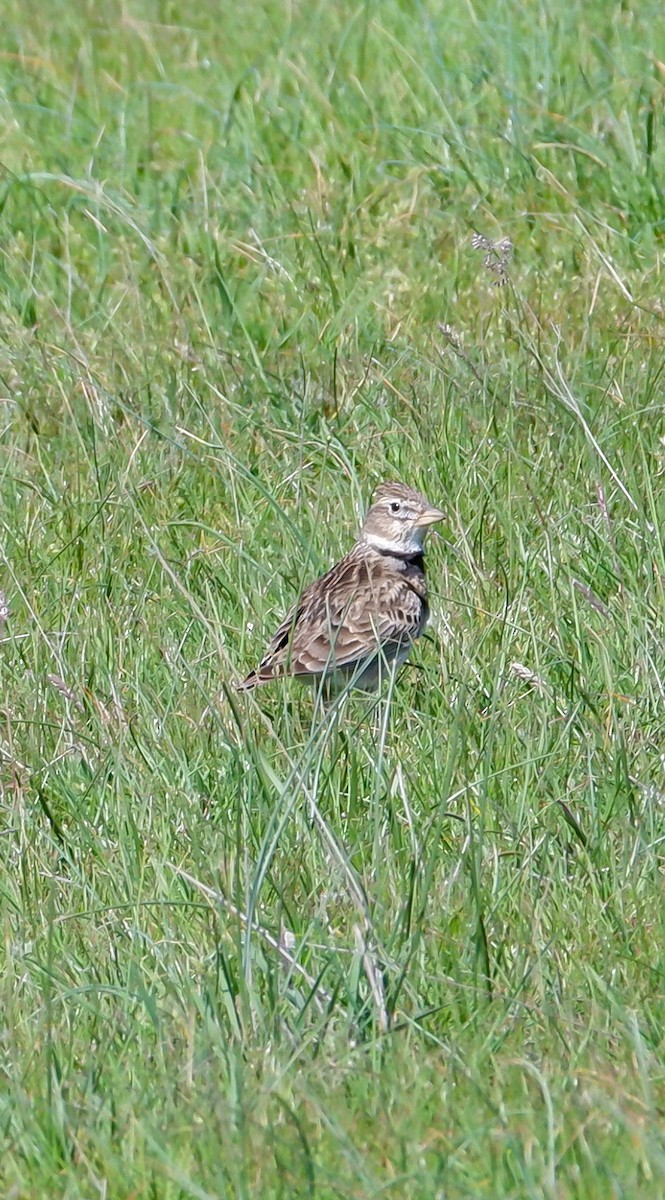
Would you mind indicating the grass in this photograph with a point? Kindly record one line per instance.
(246, 954)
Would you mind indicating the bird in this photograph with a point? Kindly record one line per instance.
(350, 625)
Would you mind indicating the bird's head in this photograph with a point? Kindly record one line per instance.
(398, 519)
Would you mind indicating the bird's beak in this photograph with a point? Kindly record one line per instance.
(430, 517)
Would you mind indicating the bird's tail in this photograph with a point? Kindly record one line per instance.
(265, 673)
(250, 681)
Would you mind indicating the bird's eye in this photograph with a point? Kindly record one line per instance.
(395, 506)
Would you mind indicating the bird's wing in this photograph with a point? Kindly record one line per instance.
(343, 618)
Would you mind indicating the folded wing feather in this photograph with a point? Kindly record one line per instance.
(345, 622)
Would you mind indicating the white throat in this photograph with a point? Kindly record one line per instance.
(389, 546)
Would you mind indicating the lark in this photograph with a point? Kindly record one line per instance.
(359, 621)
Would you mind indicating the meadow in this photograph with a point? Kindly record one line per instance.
(255, 260)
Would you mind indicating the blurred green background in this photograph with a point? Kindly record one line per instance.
(417, 952)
